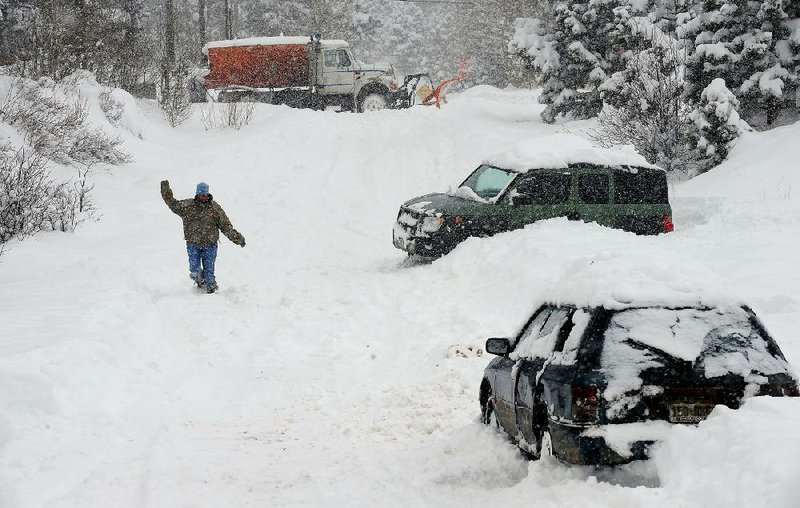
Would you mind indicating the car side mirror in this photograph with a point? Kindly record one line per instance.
(500, 347)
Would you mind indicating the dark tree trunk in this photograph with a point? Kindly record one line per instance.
(228, 20)
(168, 64)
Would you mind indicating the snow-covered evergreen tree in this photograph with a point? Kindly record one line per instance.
(572, 53)
(747, 44)
(716, 122)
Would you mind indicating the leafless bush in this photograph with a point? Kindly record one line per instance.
(646, 107)
(234, 115)
(53, 121)
(32, 201)
(175, 99)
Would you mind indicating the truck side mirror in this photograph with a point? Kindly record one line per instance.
(500, 347)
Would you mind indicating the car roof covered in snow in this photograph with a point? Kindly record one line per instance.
(273, 41)
(626, 281)
(562, 150)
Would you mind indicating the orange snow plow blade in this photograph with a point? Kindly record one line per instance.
(438, 95)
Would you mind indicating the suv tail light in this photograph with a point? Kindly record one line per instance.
(585, 404)
(669, 226)
(780, 390)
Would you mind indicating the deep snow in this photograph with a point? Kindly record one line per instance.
(330, 371)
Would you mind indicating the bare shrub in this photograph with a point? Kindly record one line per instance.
(32, 201)
(53, 121)
(646, 107)
(175, 99)
(233, 115)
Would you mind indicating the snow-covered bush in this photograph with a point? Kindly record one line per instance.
(32, 201)
(716, 123)
(175, 98)
(646, 108)
(52, 117)
(235, 115)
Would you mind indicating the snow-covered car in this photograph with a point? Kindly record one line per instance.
(597, 385)
(555, 176)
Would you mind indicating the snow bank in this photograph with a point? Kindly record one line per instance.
(761, 167)
(746, 457)
(561, 150)
(320, 375)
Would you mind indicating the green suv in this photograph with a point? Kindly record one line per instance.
(493, 199)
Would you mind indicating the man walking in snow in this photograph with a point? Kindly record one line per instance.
(203, 219)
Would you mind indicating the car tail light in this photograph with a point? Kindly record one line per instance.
(585, 404)
(779, 390)
(669, 226)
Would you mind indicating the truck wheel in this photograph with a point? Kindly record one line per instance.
(373, 102)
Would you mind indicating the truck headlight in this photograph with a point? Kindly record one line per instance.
(432, 224)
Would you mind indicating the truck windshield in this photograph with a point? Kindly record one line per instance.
(488, 181)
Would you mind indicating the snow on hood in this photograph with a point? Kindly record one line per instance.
(561, 150)
(618, 281)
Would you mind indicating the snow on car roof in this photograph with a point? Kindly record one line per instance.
(273, 41)
(561, 150)
(625, 281)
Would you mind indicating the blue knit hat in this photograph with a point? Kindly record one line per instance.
(202, 189)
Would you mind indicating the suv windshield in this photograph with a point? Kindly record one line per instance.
(487, 182)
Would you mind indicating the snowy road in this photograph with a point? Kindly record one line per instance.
(325, 372)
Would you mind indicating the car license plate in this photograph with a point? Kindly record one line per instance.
(684, 412)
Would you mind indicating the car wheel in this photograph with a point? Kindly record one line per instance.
(373, 102)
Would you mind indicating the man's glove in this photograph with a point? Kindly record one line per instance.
(240, 243)
(164, 184)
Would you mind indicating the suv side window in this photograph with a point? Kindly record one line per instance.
(645, 186)
(344, 59)
(543, 189)
(542, 335)
(593, 189)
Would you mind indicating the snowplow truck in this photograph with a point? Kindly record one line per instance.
(302, 72)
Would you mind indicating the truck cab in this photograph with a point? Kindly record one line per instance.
(340, 74)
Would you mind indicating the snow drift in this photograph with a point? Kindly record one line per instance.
(329, 371)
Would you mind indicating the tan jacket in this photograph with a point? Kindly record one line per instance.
(202, 222)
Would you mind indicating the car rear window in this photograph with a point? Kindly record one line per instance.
(640, 186)
(715, 342)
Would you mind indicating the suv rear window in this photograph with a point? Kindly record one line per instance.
(645, 186)
(716, 342)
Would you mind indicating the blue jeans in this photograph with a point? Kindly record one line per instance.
(204, 255)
